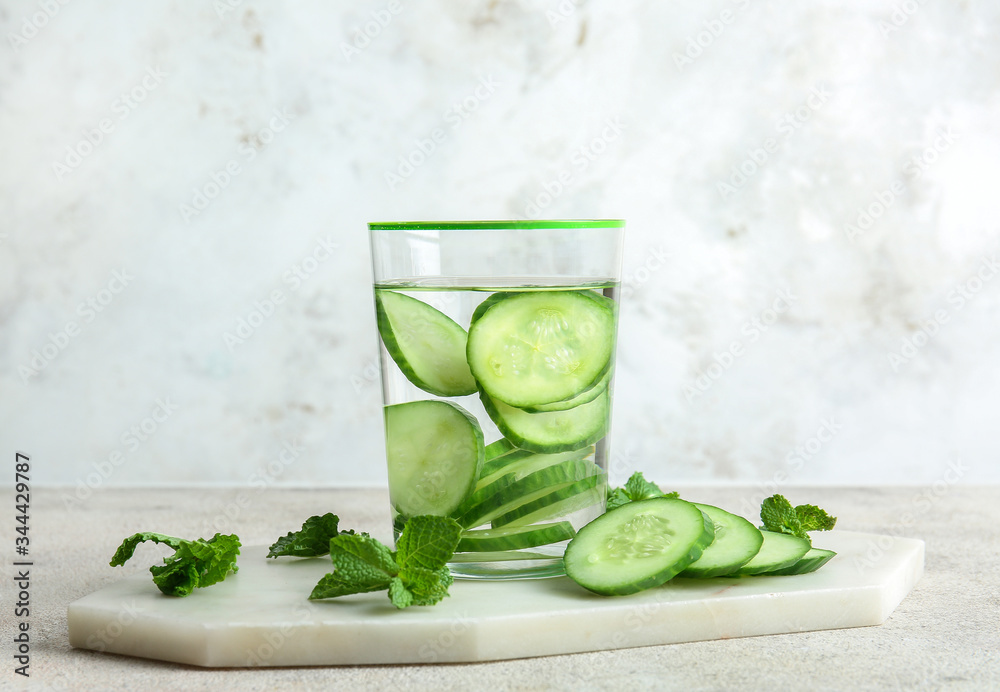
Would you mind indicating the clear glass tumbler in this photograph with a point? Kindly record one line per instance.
(497, 352)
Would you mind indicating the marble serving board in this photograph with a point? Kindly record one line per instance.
(262, 617)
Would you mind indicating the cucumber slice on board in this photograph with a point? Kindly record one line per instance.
(516, 538)
(554, 431)
(509, 492)
(778, 551)
(427, 345)
(637, 546)
(539, 347)
(736, 542)
(435, 452)
(810, 562)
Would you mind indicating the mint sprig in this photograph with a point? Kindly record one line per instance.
(194, 564)
(312, 540)
(416, 574)
(636, 488)
(777, 514)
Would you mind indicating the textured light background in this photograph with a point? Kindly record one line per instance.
(648, 109)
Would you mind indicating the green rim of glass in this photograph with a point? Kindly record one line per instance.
(489, 225)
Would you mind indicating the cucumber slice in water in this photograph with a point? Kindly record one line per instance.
(522, 462)
(516, 538)
(435, 453)
(509, 491)
(778, 551)
(539, 347)
(556, 502)
(736, 542)
(553, 431)
(427, 345)
(810, 562)
(637, 546)
(499, 448)
(578, 400)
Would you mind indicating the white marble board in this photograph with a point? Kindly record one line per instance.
(261, 616)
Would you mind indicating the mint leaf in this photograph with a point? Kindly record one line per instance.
(416, 574)
(778, 515)
(617, 498)
(813, 518)
(636, 488)
(427, 542)
(312, 540)
(400, 596)
(194, 564)
(427, 586)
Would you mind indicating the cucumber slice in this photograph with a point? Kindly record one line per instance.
(499, 448)
(509, 491)
(539, 347)
(810, 562)
(778, 551)
(578, 400)
(515, 538)
(637, 546)
(736, 542)
(554, 431)
(522, 462)
(559, 502)
(427, 345)
(435, 453)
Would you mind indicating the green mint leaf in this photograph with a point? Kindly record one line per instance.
(361, 564)
(638, 488)
(128, 546)
(427, 542)
(617, 498)
(312, 540)
(419, 586)
(427, 586)
(779, 516)
(635, 489)
(194, 564)
(813, 518)
(400, 596)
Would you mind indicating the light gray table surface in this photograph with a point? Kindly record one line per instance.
(944, 636)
